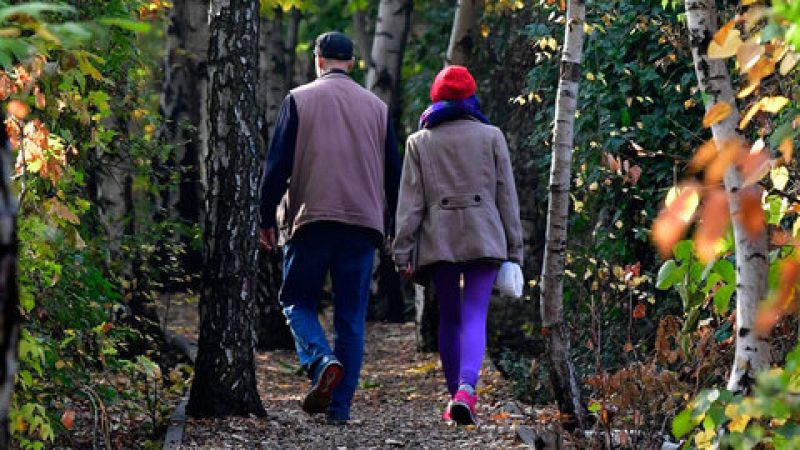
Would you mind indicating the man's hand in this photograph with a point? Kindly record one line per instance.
(406, 272)
(266, 238)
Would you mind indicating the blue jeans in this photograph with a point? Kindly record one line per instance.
(348, 253)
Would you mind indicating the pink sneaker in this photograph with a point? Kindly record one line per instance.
(446, 413)
(462, 408)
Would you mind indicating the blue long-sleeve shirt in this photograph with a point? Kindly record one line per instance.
(280, 161)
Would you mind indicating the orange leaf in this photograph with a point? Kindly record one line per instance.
(748, 55)
(763, 68)
(714, 219)
(782, 302)
(628, 347)
(40, 100)
(786, 148)
(18, 109)
(500, 416)
(754, 166)
(672, 222)
(639, 311)
(751, 215)
(68, 419)
(704, 155)
(717, 114)
(722, 34)
(728, 47)
(747, 90)
(730, 152)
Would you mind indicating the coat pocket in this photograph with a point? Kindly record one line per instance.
(460, 201)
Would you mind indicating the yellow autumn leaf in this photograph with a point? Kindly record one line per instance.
(727, 48)
(739, 423)
(724, 31)
(773, 104)
(754, 15)
(717, 114)
(484, 30)
(747, 90)
(754, 109)
(763, 68)
(788, 62)
(779, 177)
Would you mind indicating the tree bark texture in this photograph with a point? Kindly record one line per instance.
(9, 297)
(272, 332)
(272, 70)
(391, 32)
(183, 106)
(562, 370)
(363, 37)
(292, 39)
(752, 265)
(465, 32)
(225, 379)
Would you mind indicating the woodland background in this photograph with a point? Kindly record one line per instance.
(118, 130)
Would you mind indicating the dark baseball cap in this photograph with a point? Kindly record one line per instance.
(334, 45)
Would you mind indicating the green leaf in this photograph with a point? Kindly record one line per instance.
(666, 275)
(126, 24)
(722, 298)
(683, 250)
(726, 270)
(34, 9)
(683, 423)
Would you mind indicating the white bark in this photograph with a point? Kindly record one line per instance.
(552, 288)
(752, 265)
(465, 32)
(391, 31)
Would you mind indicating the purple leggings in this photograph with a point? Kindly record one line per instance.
(462, 321)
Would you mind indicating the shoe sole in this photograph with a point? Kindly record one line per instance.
(319, 397)
(462, 415)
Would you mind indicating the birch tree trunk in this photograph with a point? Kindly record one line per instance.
(465, 32)
(391, 32)
(225, 379)
(562, 370)
(752, 265)
(183, 106)
(9, 298)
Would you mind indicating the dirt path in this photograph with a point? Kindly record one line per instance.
(398, 405)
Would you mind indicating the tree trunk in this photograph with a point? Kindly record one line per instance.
(363, 39)
(271, 329)
(9, 298)
(183, 106)
(465, 32)
(426, 318)
(292, 39)
(391, 32)
(225, 379)
(752, 265)
(562, 370)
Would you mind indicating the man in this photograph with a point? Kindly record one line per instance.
(335, 149)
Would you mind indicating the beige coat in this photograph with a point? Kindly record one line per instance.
(457, 197)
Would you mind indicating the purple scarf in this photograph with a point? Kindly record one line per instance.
(446, 110)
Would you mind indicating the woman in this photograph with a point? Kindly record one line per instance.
(457, 220)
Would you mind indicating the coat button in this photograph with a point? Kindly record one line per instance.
(478, 198)
(445, 202)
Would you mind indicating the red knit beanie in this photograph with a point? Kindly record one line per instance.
(452, 83)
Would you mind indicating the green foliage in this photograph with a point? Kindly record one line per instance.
(767, 417)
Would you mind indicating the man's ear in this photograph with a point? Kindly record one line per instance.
(320, 62)
(351, 64)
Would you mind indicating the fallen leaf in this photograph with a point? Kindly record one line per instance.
(68, 419)
(639, 311)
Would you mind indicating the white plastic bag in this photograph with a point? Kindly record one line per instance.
(509, 280)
